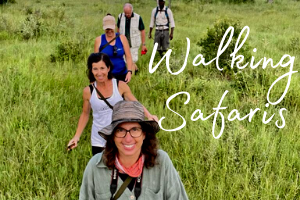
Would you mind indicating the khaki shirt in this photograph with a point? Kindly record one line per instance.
(160, 182)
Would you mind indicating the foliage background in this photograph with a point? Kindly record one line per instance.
(44, 46)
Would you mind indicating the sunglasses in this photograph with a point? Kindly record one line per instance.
(115, 51)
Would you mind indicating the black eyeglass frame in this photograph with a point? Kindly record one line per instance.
(139, 128)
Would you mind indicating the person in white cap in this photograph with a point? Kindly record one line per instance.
(115, 46)
(132, 26)
(162, 18)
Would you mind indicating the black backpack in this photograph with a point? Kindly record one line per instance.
(166, 13)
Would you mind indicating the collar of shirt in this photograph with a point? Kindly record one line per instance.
(100, 163)
(132, 15)
(164, 8)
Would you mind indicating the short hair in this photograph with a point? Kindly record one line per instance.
(149, 148)
(129, 5)
(94, 58)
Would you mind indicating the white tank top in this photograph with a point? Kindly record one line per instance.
(102, 114)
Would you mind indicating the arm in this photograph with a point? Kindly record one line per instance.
(84, 117)
(171, 34)
(128, 96)
(143, 36)
(87, 189)
(172, 23)
(151, 23)
(97, 44)
(150, 31)
(173, 187)
(127, 57)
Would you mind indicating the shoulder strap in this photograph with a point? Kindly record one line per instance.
(91, 88)
(122, 188)
(166, 12)
(117, 35)
(102, 97)
(155, 14)
(138, 187)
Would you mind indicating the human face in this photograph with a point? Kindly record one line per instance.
(110, 32)
(128, 12)
(129, 147)
(161, 4)
(100, 71)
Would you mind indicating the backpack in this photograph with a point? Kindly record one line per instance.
(166, 13)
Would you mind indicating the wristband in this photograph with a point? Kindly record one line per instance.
(144, 44)
(129, 71)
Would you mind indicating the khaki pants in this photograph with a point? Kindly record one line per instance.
(134, 54)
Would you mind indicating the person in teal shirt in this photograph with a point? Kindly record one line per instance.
(131, 159)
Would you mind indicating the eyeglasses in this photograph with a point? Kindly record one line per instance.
(134, 132)
(115, 50)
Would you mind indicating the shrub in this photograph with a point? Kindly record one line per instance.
(31, 27)
(7, 1)
(211, 42)
(240, 1)
(69, 50)
(294, 44)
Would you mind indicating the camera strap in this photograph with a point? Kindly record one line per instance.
(117, 35)
(114, 185)
(102, 97)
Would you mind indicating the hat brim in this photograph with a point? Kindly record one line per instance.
(109, 27)
(151, 126)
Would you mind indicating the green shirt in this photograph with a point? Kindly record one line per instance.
(160, 182)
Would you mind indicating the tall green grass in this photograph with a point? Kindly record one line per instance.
(41, 100)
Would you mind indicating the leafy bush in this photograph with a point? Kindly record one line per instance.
(50, 21)
(7, 1)
(31, 27)
(294, 44)
(211, 42)
(9, 28)
(70, 50)
(240, 1)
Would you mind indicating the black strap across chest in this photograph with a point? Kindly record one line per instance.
(114, 185)
(102, 97)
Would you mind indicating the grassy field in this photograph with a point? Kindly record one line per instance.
(41, 99)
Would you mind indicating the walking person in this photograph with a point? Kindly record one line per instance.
(115, 46)
(132, 26)
(131, 166)
(162, 18)
(100, 96)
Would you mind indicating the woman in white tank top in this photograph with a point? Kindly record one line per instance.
(99, 73)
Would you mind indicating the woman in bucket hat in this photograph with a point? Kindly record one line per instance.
(131, 166)
(99, 69)
(115, 46)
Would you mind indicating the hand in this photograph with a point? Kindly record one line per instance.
(149, 36)
(73, 143)
(171, 36)
(153, 117)
(128, 77)
(144, 48)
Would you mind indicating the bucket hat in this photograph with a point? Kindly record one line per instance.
(129, 111)
(109, 22)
